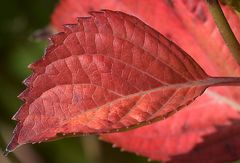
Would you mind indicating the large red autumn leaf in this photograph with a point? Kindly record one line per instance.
(191, 29)
(190, 25)
(106, 73)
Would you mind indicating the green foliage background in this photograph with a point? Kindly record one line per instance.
(19, 19)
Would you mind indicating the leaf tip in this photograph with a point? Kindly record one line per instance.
(10, 147)
(6, 152)
(15, 143)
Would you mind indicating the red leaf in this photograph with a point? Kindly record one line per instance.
(193, 30)
(190, 25)
(108, 72)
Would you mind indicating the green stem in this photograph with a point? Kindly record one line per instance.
(12, 157)
(224, 28)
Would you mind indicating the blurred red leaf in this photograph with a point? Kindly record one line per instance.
(108, 72)
(182, 137)
(224, 142)
(189, 24)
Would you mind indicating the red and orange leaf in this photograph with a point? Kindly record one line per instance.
(193, 30)
(189, 24)
(108, 72)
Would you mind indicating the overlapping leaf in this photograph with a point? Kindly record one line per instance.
(202, 132)
(106, 73)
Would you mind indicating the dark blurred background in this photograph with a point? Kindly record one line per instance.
(19, 19)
